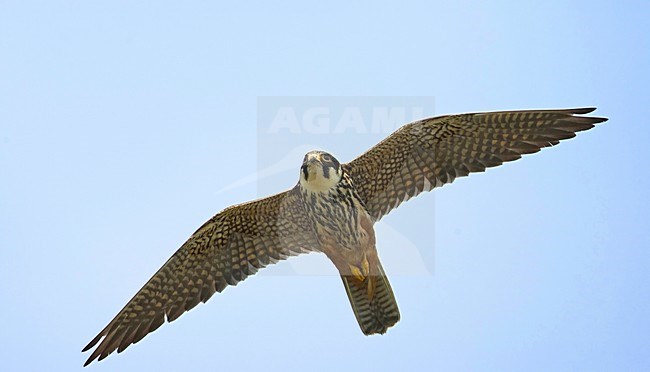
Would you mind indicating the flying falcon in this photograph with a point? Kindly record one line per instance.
(332, 209)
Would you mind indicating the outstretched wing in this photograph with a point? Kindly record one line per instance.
(232, 245)
(432, 152)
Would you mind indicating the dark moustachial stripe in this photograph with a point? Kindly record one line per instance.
(326, 170)
(305, 172)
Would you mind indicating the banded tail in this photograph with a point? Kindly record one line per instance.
(372, 301)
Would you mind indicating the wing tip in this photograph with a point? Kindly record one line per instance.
(586, 110)
(575, 118)
(92, 358)
(582, 110)
(575, 112)
(93, 342)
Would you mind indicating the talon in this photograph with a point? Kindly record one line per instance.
(365, 266)
(371, 288)
(357, 273)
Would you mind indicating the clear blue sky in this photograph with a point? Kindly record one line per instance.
(122, 126)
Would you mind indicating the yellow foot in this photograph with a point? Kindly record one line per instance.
(356, 272)
(362, 271)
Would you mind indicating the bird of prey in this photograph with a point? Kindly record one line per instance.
(332, 209)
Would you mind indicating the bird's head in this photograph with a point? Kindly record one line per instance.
(320, 171)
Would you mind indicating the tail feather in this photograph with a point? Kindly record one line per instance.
(372, 301)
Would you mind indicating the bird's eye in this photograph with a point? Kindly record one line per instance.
(327, 158)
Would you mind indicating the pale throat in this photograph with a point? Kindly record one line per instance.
(317, 182)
